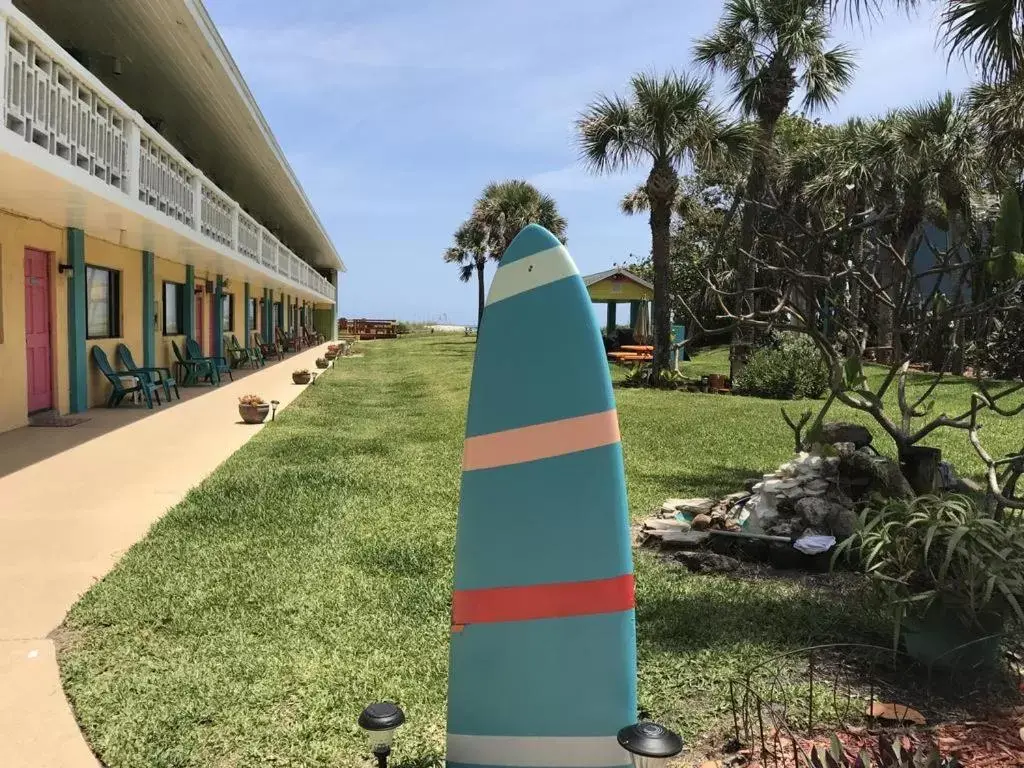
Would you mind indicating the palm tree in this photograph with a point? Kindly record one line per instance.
(506, 207)
(666, 121)
(499, 214)
(769, 48)
(470, 253)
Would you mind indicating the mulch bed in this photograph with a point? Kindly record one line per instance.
(996, 742)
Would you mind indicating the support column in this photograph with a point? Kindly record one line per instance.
(268, 311)
(247, 319)
(189, 310)
(148, 311)
(611, 318)
(78, 400)
(634, 313)
(218, 317)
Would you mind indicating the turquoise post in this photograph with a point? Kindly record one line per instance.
(78, 399)
(218, 317)
(268, 314)
(248, 318)
(611, 318)
(189, 310)
(634, 312)
(148, 311)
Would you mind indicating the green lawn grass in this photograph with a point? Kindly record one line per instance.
(311, 574)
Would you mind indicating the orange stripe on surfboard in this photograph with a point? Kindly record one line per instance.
(542, 601)
(541, 441)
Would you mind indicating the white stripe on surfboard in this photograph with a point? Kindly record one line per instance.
(531, 272)
(561, 751)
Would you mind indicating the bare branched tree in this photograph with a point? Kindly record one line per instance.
(809, 281)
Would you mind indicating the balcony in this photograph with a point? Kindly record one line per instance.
(54, 103)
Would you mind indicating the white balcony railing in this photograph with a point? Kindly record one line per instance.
(53, 102)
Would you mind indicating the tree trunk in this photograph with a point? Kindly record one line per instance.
(920, 465)
(481, 298)
(662, 184)
(746, 271)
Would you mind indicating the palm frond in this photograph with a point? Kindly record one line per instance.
(605, 134)
(987, 31)
(826, 75)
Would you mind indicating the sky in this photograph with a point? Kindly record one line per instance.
(395, 114)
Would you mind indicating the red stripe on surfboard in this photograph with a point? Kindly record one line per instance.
(543, 601)
(541, 441)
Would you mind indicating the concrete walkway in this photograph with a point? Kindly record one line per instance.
(72, 501)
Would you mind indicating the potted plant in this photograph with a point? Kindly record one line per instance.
(321, 362)
(951, 576)
(253, 409)
(330, 354)
(301, 376)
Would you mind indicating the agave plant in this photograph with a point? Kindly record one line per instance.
(888, 754)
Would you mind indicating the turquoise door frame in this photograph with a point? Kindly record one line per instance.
(148, 310)
(189, 308)
(218, 317)
(78, 393)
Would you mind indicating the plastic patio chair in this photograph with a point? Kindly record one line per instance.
(156, 374)
(119, 391)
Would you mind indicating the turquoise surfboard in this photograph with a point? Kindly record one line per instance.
(542, 668)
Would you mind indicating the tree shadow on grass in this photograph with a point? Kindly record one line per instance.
(701, 612)
(712, 481)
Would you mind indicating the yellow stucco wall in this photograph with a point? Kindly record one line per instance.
(605, 290)
(102, 254)
(171, 272)
(17, 234)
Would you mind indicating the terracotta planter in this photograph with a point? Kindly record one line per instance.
(322, 363)
(330, 356)
(253, 414)
(301, 378)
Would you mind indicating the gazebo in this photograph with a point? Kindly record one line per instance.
(619, 286)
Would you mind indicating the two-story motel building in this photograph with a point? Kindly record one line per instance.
(143, 199)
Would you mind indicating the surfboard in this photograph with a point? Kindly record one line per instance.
(542, 664)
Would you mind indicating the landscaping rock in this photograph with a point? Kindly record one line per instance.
(842, 432)
(692, 506)
(701, 522)
(707, 562)
(813, 509)
(865, 474)
(683, 539)
(844, 449)
(841, 522)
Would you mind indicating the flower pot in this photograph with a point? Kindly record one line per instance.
(301, 378)
(253, 414)
(322, 363)
(330, 356)
(939, 639)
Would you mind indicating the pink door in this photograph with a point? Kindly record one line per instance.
(37, 330)
(199, 322)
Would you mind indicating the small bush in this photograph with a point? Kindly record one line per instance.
(789, 368)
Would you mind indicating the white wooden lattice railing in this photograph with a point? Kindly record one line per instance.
(53, 102)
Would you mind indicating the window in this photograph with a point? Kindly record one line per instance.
(174, 308)
(253, 309)
(102, 303)
(227, 312)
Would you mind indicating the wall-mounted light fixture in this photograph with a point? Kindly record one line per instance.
(62, 268)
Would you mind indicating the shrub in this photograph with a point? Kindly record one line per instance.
(789, 368)
(402, 328)
(931, 549)
(1001, 354)
(251, 400)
